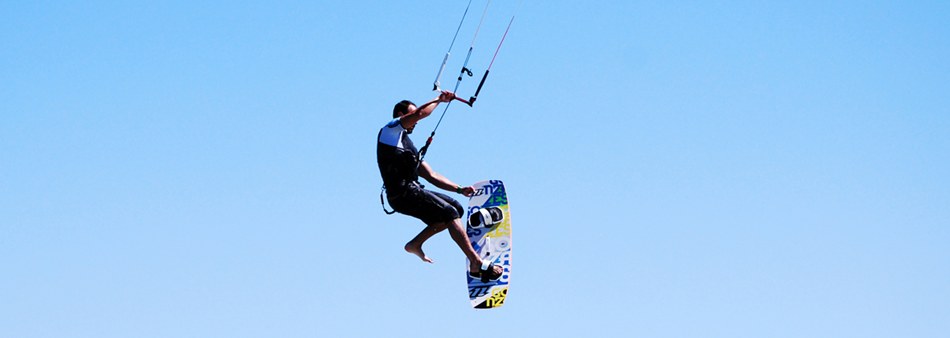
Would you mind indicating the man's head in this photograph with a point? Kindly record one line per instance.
(402, 108)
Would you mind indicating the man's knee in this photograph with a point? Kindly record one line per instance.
(456, 209)
(439, 225)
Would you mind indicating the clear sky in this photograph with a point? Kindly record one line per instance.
(675, 169)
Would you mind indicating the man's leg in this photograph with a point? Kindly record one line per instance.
(415, 245)
(436, 203)
(460, 236)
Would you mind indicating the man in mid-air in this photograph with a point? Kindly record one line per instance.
(400, 166)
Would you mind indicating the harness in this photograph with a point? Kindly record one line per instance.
(398, 165)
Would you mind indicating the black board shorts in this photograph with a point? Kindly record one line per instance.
(428, 206)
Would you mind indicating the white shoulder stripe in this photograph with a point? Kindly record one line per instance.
(391, 134)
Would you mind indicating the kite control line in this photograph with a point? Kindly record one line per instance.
(425, 148)
(435, 85)
(464, 71)
(471, 47)
(481, 83)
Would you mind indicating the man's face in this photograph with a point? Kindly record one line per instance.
(410, 109)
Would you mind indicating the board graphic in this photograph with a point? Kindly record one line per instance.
(492, 242)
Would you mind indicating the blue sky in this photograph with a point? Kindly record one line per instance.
(684, 169)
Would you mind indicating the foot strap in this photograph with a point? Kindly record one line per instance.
(486, 217)
(487, 271)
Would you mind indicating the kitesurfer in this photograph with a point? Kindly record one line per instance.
(401, 167)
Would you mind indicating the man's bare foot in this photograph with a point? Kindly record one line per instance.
(417, 250)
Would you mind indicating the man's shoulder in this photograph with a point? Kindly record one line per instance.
(393, 123)
(392, 134)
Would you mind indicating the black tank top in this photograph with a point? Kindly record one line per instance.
(397, 157)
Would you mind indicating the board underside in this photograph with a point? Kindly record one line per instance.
(492, 243)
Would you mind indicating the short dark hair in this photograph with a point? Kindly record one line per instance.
(402, 107)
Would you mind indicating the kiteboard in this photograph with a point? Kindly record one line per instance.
(489, 229)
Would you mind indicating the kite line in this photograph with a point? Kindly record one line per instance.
(481, 83)
(465, 71)
(435, 84)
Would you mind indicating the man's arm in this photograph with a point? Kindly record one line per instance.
(426, 172)
(425, 109)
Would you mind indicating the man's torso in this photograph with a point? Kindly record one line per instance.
(396, 156)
